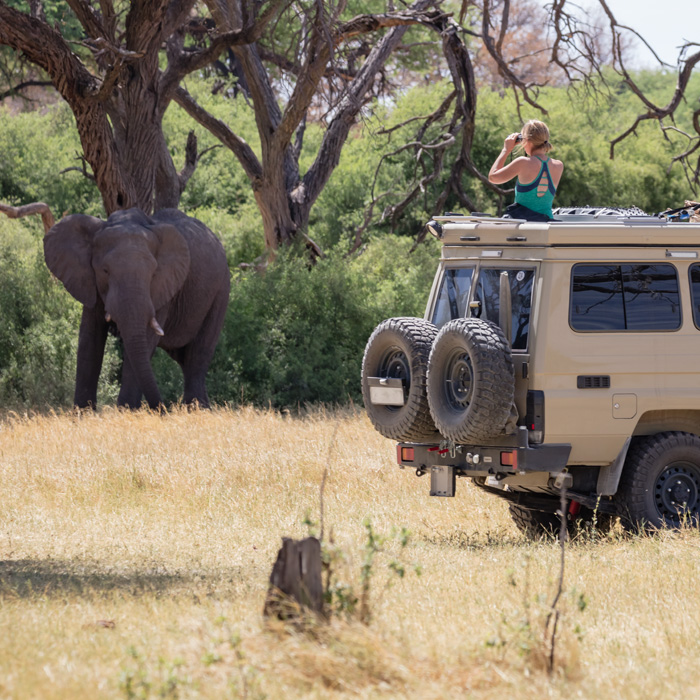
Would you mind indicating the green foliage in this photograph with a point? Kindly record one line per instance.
(37, 340)
(582, 125)
(58, 15)
(296, 334)
(219, 182)
(241, 233)
(39, 329)
(340, 597)
(138, 683)
(36, 147)
(374, 165)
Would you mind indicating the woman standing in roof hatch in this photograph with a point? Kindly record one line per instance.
(538, 174)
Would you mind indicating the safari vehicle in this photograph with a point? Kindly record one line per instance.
(552, 354)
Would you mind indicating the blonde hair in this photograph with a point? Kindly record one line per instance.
(537, 133)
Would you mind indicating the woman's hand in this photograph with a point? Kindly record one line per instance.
(500, 173)
(510, 142)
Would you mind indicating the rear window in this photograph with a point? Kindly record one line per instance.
(453, 295)
(488, 296)
(638, 297)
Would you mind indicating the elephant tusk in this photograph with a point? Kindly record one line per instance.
(108, 318)
(156, 327)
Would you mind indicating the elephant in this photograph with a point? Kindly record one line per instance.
(163, 281)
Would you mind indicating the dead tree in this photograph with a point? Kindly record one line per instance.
(574, 51)
(295, 582)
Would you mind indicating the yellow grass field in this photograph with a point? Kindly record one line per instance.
(135, 552)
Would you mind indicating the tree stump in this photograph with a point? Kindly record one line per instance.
(295, 581)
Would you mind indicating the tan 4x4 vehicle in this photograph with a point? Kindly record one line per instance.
(552, 354)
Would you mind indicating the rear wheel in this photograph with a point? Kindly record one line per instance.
(660, 483)
(535, 524)
(540, 525)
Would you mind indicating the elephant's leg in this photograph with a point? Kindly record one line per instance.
(198, 354)
(91, 348)
(130, 392)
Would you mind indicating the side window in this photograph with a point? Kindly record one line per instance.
(452, 297)
(652, 297)
(695, 292)
(488, 294)
(625, 297)
(596, 298)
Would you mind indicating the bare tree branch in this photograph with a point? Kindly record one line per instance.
(23, 86)
(29, 210)
(92, 24)
(236, 144)
(82, 170)
(188, 62)
(495, 49)
(655, 111)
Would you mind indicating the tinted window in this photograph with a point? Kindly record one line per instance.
(625, 297)
(652, 299)
(695, 292)
(488, 293)
(596, 298)
(453, 295)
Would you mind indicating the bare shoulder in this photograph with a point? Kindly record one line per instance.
(556, 168)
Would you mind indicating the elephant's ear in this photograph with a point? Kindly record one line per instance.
(68, 254)
(173, 259)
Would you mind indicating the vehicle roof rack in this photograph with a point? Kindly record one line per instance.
(478, 219)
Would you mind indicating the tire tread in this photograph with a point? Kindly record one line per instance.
(494, 381)
(415, 423)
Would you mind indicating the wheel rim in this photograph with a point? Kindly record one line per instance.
(677, 492)
(395, 365)
(458, 381)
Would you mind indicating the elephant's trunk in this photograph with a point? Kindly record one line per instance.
(138, 350)
(138, 329)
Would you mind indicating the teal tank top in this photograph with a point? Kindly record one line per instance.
(527, 194)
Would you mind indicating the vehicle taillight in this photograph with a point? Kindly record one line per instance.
(534, 420)
(405, 454)
(509, 459)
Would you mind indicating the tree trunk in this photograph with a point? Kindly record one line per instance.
(295, 581)
(279, 228)
(119, 118)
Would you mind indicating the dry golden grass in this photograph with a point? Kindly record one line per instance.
(135, 551)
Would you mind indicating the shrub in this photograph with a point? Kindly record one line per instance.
(39, 329)
(297, 334)
(37, 147)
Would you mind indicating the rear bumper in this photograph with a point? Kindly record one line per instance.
(478, 460)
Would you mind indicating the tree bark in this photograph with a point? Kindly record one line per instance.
(295, 581)
(283, 197)
(47, 217)
(119, 109)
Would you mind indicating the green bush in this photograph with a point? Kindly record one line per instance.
(296, 334)
(39, 329)
(37, 333)
(37, 147)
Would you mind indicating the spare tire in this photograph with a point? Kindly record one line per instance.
(471, 381)
(398, 350)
